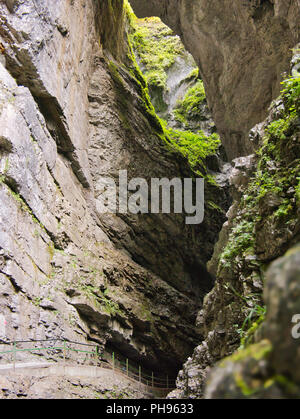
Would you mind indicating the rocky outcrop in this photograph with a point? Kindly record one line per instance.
(241, 48)
(266, 369)
(263, 223)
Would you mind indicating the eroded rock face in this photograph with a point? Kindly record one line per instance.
(125, 140)
(267, 369)
(263, 223)
(242, 48)
(282, 297)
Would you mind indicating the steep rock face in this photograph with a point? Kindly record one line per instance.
(125, 140)
(242, 48)
(266, 369)
(70, 114)
(263, 223)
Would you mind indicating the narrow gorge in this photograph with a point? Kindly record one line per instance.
(159, 89)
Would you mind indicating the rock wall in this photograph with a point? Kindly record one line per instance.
(267, 369)
(74, 108)
(241, 48)
(251, 307)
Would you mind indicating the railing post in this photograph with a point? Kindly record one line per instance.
(64, 352)
(96, 354)
(140, 375)
(14, 354)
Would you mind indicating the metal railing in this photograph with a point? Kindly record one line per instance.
(140, 375)
(54, 349)
(92, 354)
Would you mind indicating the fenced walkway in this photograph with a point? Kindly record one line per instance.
(18, 353)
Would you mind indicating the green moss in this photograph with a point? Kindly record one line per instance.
(196, 147)
(288, 386)
(189, 108)
(245, 388)
(157, 49)
(241, 240)
(256, 351)
(101, 299)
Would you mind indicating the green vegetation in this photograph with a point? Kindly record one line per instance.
(101, 299)
(157, 49)
(272, 198)
(251, 384)
(240, 243)
(190, 107)
(281, 147)
(250, 326)
(279, 150)
(124, 97)
(196, 147)
(257, 351)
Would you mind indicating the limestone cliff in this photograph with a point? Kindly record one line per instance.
(75, 109)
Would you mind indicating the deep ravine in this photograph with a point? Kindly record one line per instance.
(88, 90)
